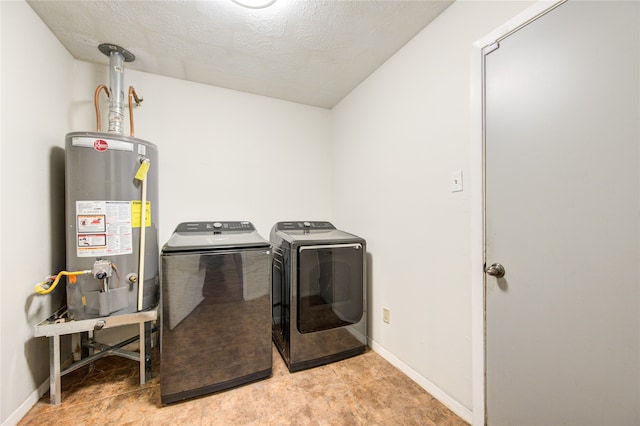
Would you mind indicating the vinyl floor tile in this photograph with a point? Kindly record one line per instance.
(361, 391)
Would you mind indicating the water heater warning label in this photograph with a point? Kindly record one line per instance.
(103, 228)
(91, 223)
(135, 211)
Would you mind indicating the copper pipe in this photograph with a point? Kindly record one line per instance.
(95, 101)
(132, 96)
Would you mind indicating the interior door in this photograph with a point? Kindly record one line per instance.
(562, 209)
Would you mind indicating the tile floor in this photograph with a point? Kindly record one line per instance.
(364, 390)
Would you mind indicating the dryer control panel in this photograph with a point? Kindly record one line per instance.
(305, 225)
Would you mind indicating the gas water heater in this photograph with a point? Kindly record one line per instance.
(111, 210)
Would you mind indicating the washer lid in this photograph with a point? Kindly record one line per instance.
(214, 235)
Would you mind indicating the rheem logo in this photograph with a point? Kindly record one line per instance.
(100, 145)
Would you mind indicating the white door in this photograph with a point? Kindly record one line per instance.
(562, 216)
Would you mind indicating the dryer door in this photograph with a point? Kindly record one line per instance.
(330, 286)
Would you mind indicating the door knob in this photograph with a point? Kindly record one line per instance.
(496, 270)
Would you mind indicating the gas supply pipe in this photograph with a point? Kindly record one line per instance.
(48, 285)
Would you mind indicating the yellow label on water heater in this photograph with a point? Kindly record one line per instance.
(141, 174)
(135, 214)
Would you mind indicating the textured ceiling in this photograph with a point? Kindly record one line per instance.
(312, 52)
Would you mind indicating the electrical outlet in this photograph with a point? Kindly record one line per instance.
(386, 315)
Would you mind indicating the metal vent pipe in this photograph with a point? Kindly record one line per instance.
(117, 57)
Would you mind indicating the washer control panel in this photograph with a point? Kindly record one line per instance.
(215, 227)
(304, 226)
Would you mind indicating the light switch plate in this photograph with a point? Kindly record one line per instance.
(456, 181)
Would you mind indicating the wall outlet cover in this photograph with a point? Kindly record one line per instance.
(386, 315)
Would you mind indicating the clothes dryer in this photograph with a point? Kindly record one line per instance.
(216, 309)
(318, 293)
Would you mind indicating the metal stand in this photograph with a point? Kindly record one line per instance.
(58, 324)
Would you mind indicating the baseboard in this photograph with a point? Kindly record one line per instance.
(33, 397)
(463, 412)
(27, 404)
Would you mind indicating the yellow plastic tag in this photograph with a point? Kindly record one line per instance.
(135, 214)
(142, 170)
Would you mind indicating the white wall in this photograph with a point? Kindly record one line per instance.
(396, 140)
(224, 155)
(36, 83)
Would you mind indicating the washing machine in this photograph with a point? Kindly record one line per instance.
(318, 293)
(216, 309)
